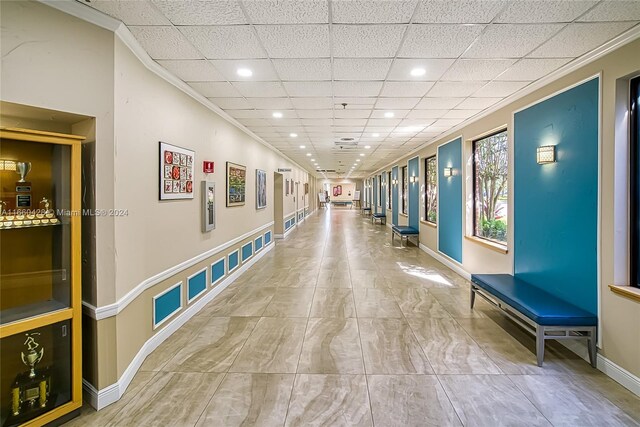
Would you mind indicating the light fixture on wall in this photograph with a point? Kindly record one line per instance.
(546, 154)
(448, 172)
(412, 179)
(394, 181)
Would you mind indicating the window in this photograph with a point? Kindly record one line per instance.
(405, 189)
(431, 190)
(388, 190)
(490, 165)
(634, 155)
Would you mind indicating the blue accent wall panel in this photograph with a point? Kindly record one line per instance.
(394, 196)
(413, 169)
(197, 284)
(258, 243)
(267, 238)
(383, 193)
(247, 251)
(167, 304)
(450, 200)
(233, 260)
(556, 204)
(375, 194)
(217, 271)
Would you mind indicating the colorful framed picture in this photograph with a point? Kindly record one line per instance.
(261, 189)
(236, 184)
(176, 172)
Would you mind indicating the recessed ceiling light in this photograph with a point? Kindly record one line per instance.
(367, 147)
(389, 114)
(417, 72)
(293, 135)
(361, 154)
(245, 72)
(375, 135)
(308, 154)
(313, 160)
(277, 115)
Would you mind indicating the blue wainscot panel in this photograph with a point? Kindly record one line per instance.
(258, 243)
(450, 200)
(394, 196)
(196, 284)
(247, 251)
(233, 260)
(414, 193)
(556, 204)
(167, 304)
(383, 193)
(217, 271)
(267, 238)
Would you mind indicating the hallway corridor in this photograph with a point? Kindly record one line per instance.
(336, 327)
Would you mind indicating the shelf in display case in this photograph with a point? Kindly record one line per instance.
(9, 222)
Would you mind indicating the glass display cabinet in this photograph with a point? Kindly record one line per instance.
(40, 302)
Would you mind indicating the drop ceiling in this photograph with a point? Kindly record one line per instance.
(431, 65)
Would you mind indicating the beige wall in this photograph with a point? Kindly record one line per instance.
(619, 343)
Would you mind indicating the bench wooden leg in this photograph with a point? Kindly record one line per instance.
(593, 351)
(540, 344)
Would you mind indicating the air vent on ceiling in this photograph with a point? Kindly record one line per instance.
(326, 170)
(346, 143)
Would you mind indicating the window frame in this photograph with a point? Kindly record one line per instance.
(404, 208)
(388, 189)
(379, 190)
(426, 188)
(474, 181)
(634, 182)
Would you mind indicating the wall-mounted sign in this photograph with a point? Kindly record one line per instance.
(207, 167)
(284, 169)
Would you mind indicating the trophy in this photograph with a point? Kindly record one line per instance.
(31, 389)
(23, 188)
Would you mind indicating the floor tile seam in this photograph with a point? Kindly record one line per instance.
(446, 393)
(529, 400)
(478, 345)
(135, 399)
(245, 341)
(204, 409)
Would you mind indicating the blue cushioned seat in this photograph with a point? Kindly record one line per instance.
(379, 215)
(535, 303)
(404, 230)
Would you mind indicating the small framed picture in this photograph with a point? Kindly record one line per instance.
(176, 172)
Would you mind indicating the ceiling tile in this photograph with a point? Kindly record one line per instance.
(131, 12)
(361, 69)
(253, 122)
(426, 114)
(478, 103)
(405, 89)
(442, 103)
(578, 39)
(231, 103)
(460, 114)
(504, 89)
(192, 70)
(439, 41)
(532, 69)
(396, 103)
(216, 89)
(529, 11)
(446, 123)
(455, 89)
(195, 12)
(295, 41)
(270, 103)
(287, 12)
(316, 122)
(303, 69)
(351, 114)
(225, 42)
(341, 123)
(164, 43)
(371, 11)
(260, 89)
(308, 89)
(616, 10)
(434, 68)
(374, 41)
(312, 103)
(383, 123)
(285, 122)
(380, 114)
(477, 69)
(261, 69)
(249, 114)
(358, 89)
(315, 114)
(511, 41)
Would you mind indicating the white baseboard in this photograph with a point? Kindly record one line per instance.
(108, 395)
(286, 233)
(447, 261)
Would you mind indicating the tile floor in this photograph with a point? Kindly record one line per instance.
(336, 327)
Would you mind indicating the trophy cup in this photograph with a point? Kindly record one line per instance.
(23, 188)
(31, 389)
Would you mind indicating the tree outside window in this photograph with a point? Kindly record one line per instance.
(490, 167)
(431, 190)
(405, 189)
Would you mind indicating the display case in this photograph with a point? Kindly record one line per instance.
(40, 302)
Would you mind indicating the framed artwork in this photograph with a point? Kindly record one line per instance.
(261, 189)
(291, 189)
(286, 187)
(337, 190)
(306, 188)
(208, 206)
(176, 172)
(236, 184)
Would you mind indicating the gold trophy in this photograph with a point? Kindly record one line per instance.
(31, 389)
(23, 188)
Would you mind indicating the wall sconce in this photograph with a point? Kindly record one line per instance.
(448, 172)
(394, 181)
(546, 154)
(412, 179)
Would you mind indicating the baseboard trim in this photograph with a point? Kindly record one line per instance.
(286, 233)
(446, 261)
(112, 393)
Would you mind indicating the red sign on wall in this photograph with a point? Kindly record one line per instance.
(207, 167)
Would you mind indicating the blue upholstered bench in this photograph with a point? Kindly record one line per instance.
(379, 217)
(366, 211)
(404, 232)
(546, 315)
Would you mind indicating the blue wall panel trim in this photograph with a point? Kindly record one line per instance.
(247, 251)
(450, 200)
(414, 193)
(383, 193)
(556, 205)
(258, 243)
(233, 260)
(267, 238)
(394, 196)
(196, 285)
(217, 271)
(167, 304)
